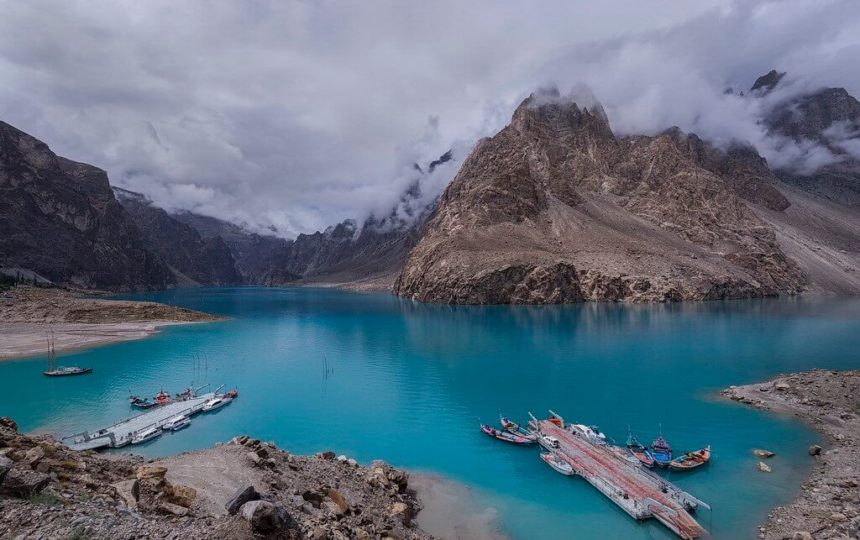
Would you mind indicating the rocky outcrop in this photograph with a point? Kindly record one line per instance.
(77, 495)
(59, 218)
(828, 504)
(556, 203)
(193, 260)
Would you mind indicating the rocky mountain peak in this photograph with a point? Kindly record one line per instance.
(767, 82)
(546, 113)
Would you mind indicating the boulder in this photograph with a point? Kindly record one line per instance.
(400, 478)
(763, 467)
(174, 509)
(782, 386)
(401, 511)
(328, 454)
(24, 483)
(155, 472)
(814, 450)
(266, 517)
(254, 457)
(128, 491)
(5, 466)
(763, 453)
(181, 495)
(8, 424)
(33, 456)
(338, 499)
(242, 496)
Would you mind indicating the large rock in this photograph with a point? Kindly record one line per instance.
(129, 492)
(33, 456)
(7, 423)
(240, 497)
(173, 509)
(181, 495)
(24, 483)
(266, 517)
(151, 472)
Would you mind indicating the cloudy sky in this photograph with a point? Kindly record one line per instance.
(300, 114)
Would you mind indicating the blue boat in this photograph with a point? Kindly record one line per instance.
(661, 451)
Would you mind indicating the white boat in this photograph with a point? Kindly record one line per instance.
(548, 442)
(146, 435)
(592, 434)
(216, 403)
(557, 463)
(177, 422)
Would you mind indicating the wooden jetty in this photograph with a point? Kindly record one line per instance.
(120, 433)
(640, 493)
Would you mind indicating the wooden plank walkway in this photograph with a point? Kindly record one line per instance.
(641, 494)
(120, 433)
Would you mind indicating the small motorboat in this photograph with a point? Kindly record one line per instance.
(232, 394)
(639, 451)
(177, 422)
(147, 434)
(141, 403)
(661, 451)
(548, 442)
(590, 433)
(691, 460)
(516, 429)
(216, 403)
(67, 371)
(162, 398)
(505, 435)
(557, 462)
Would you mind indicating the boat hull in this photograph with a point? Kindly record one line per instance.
(562, 468)
(69, 373)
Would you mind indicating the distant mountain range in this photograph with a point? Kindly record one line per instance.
(553, 208)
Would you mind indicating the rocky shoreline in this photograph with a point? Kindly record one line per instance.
(828, 505)
(242, 489)
(77, 320)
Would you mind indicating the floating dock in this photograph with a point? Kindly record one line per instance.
(640, 493)
(120, 433)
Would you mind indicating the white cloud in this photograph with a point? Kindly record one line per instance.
(300, 114)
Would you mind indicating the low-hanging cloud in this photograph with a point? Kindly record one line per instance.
(300, 114)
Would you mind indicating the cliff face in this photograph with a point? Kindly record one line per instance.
(828, 119)
(555, 208)
(59, 218)
(195, 261)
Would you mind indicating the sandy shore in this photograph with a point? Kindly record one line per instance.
(28, 315)
(828, 505)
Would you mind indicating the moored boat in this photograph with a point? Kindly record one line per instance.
(639, 451)
(177, 422)
(505, 435)
(162, 398)
(557, 463)
(661, 451)
(67, 371)
(513, 427)
(146, 435)
(141, 403)
(691, 460)
(216, 403)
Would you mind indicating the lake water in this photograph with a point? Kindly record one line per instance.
(408, 383)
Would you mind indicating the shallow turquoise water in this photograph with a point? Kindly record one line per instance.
(410, 382)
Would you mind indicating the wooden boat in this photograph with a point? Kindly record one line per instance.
(691, 460)
(146, 435)
(557, 463)
(177, 422)
(639, 451)
(513, 427)
(661, 451)
(216, 403)
(504, 435)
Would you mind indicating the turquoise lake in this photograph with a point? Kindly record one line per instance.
(409, 383)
